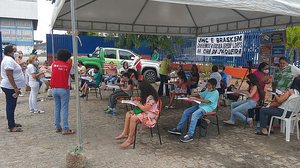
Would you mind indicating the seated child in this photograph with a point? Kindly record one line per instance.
(147, 114)
(126, 90)
(209, 101)
(180, 88)
(96, 78)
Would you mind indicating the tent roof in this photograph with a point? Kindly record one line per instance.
(175, 17)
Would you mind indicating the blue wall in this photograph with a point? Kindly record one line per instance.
(89, 43)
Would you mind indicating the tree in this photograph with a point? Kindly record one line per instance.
(163, 42)
(293, 42)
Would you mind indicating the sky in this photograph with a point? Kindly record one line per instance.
(44, 18)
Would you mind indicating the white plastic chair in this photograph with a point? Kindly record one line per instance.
(292, 105)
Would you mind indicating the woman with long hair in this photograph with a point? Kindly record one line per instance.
(278, 109)
(146, 112)
(255, 93)
(262, 74)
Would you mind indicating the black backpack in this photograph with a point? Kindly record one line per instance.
(232, 96)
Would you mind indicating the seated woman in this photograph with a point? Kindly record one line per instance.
(180, 88)
(124, 68)
(46, 69)
(254, 94)
(91, 84)
(277, 106)
(111, 73)
(194, 78)
(126, 90)
(146, 112)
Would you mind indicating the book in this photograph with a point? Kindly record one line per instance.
(128, 102)
(277, 92)
(189, 99)
(87, 78)
(113, 86)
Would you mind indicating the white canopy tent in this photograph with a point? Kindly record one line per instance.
(168, 17)
(176, 17)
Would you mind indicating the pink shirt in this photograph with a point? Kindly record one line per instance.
(260, 76)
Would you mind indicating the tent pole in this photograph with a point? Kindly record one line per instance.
(52, 41)
(75, 62)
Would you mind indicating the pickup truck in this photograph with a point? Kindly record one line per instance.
(102, 56)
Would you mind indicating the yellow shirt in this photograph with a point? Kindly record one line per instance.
(165, 67)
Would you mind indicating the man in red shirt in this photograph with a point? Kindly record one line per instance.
(60, 90)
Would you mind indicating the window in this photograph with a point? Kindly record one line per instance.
(124, 55)
(110, 54)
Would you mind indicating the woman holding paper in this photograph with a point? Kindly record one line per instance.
(254, 94)
(277, 106)
(146, 112)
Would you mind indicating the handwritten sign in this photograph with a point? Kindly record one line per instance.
(220, 45)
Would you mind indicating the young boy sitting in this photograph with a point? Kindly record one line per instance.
(126, 90)
(209, 101)
(96, 78)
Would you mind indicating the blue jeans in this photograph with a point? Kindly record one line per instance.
(112, 98)
(240, 107)
(11, 104)
(196, 113)
(112, 79)
(61, 102)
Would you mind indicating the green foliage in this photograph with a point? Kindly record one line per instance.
(77, 150)
(162, 42)
(293, 41)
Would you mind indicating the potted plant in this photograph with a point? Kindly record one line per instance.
(75, 158)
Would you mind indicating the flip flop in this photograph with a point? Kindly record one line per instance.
(15, 129)
(18, 125)
(260, 133)
(68, 132)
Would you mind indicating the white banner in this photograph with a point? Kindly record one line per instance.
(231, 46)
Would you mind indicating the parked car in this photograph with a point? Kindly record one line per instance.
(103, 56)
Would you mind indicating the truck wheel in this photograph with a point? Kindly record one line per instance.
(150, 75)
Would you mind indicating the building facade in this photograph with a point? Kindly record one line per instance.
(18, 20)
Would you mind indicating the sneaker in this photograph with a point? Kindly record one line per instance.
(174, 131)
(186, 139)
(229, 122)
(108, 111)
(31, 111)
(38, 111)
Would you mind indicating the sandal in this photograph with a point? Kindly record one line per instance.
(58, 130)
(18, 125)
(15, 129)
(261, 133)
(68, 132)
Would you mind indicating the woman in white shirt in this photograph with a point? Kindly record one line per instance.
(34, 76)
(12, 81)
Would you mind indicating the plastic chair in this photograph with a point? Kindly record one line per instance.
(96, 91)
(213, 113)
(292, 105)
(157, 126)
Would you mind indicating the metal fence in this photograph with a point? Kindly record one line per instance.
(187, 53)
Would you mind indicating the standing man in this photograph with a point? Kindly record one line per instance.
(60, 91)
(164, 70)
(284, 75)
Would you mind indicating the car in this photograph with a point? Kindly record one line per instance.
(102, 56)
